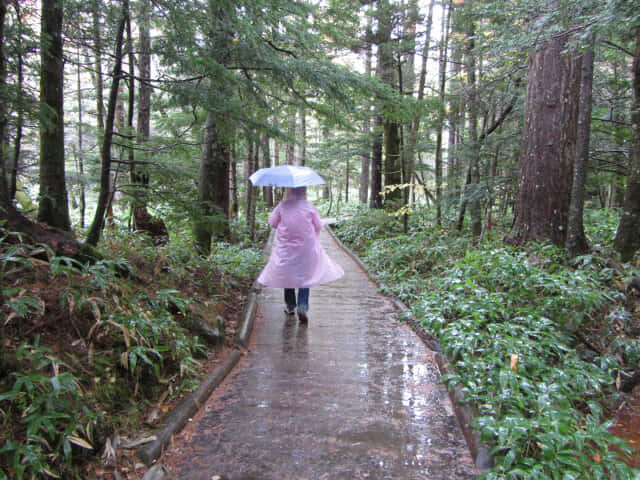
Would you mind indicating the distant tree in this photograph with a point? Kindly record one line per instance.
(548, 143)
(627, 240)
(4, 189)
(53, 207)
(95, 231)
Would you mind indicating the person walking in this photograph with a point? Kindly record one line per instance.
(297, 259)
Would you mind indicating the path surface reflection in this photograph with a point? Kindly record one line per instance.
(353, 394)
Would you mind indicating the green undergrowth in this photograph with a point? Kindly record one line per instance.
(85, 349)
(538, 343)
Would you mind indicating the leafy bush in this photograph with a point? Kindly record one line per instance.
(52, 416)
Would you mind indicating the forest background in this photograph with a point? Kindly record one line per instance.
(486, 154)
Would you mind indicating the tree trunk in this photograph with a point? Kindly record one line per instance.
(266, 163)
(442, 78)
(80, 153)
(54, 207)
(20, 109)
(576, 240)
(548, 144)
(5, 195)
(95, 231)
(376, 165)
(627, 240)
(471, 195)
(97, 77)
(303, 137)
(252, 155)
(213, 188)
(291, 132)
(365, 169)
(410, 151)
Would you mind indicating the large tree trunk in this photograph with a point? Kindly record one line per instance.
(627, 240)
(213, 188)
(54, 207)
(576, 240)
(548, 144)
(95, 231)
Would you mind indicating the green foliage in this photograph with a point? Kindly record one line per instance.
(52, 413)
(132, 341)
(495, 305)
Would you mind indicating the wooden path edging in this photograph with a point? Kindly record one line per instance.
(174, 421)
(465, 413)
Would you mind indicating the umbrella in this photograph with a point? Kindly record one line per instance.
(285, 176)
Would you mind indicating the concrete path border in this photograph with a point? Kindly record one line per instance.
(465, 413)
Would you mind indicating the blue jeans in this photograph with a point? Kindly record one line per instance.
(303, 299)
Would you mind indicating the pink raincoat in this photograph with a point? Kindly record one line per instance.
(297, 258)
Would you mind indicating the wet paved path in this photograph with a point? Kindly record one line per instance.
(353, 394)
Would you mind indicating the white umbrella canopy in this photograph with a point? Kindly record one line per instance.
(286, 176)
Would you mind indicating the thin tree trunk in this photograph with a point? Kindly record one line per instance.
(303, 136)
(415, 125)
(97, 78)
(365, 170)
(576, 243)
(472, 193)
(54, 207)
(252, 155)
(442, 76)
(627, 240)
(5, 194)
(80, 153)
(20, 109)
(376, 164)
(95, 231)
(266, 163)
(291, 132)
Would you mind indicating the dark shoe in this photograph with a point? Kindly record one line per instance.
(290, 310)
(303, 317)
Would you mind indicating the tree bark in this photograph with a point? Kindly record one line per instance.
(95, 231)
(442, 78)
(627, 240)
(291, 132)
(365, 169)
(54, 207)
(140, 172)
(213, 188)
(548, 144)
(376, 164)
(252, 155)
(576, 243)
(267, 192)
(471, 195)
(4, 188)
